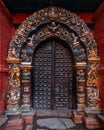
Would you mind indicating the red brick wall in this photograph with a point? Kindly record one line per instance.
(5, 37)
(99, 37)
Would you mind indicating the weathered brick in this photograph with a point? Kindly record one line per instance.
(91, 121)
(90, 126)
(78, 119)
(15, 123)
(28, 119)
(15, 128)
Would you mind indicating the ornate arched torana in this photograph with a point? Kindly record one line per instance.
(53, 23)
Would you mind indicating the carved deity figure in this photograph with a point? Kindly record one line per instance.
(26, 99)
(14, 83)
(93, 97)
(53, 26)
(24, 55)
(12, 53)
(92, 53)
(80, 75)
(92, 76)
(13, 97)
(26, 74)
(14, 72)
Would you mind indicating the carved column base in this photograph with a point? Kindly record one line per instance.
(91, 112)
(91, 120)
(78, 117)
(80, 107)
(13, 112)
(13, 108)
(26, 108)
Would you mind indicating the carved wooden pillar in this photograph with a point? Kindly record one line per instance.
(93, 100)
(26, 86)
(81, 70)
(14, 87)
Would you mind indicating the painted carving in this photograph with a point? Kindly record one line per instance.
(26, 74)
(53, 13)
(53, 30)
(80, 75)
(92, 53)
(92, 76)
(27, 89)
(14, 79)
(26, 99)
(53, 27)
(93, 97)
(13, 53)
(14, 83)
(14, 72)
(24, 55)
(81, 98)
(13, 97)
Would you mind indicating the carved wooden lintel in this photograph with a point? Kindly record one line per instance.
(81, 66)
(13, 60)
(97, 59)
(26, 67)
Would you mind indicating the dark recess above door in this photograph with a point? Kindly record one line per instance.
(29, 6)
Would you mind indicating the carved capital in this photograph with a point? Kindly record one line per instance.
(13, 60)
(96, 59)
(27, 67)
(81, 65)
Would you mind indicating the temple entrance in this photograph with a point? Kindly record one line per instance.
(53, 62)
(52, 76)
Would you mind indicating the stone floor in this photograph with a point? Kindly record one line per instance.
(56, 124)
(42, 120)
(49, 123)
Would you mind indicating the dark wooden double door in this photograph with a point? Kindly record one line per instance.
(52, 76)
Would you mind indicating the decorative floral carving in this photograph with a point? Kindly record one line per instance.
(93, 97)
(53, 13)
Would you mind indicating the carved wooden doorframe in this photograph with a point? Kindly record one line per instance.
(44, 24)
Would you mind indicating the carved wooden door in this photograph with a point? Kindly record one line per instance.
(52, 80)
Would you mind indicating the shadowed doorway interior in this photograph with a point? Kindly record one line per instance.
(53, 81)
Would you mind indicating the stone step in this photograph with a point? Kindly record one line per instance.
(54, 113)
(15, 124)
